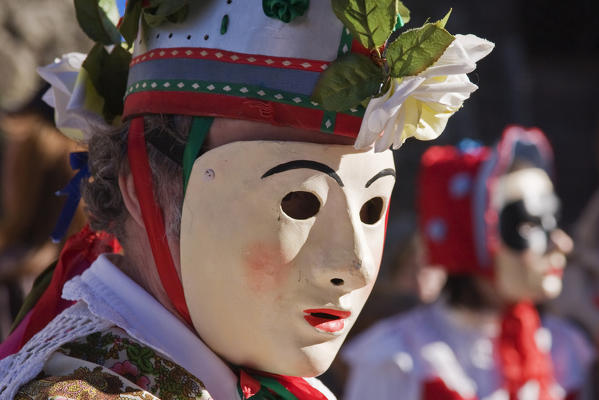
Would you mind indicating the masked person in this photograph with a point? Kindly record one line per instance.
(247, 186)
(489, 217)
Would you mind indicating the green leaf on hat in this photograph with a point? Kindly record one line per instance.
(94, 17)
(347, 82)
(370, 21)
(154, 14)
(160, 11)
(130, 22)
(404, 12)
(441, 23)
(417, 49)
(108, 74)
(111, 10)
(93, 63)
(179, 16)
(166, 7)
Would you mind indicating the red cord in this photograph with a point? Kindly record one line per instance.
(153, 217)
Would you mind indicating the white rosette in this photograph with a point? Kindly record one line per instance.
(420, 106)
(77, 105)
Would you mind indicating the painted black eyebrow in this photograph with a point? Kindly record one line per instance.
(297, 164)
(385, 172)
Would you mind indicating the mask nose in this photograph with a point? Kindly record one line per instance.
(347, 277)
(561, 241)
(345, 261)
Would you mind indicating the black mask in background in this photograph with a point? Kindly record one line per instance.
(523, 226)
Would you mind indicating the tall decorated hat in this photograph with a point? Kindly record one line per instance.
(455, 188)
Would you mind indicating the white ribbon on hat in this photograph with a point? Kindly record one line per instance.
(77, 105)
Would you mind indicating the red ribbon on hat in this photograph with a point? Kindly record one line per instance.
(153, 217)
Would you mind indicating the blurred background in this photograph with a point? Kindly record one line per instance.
(543, 72)
(33, 155)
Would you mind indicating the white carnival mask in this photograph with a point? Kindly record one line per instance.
(531, 258)
(280, 247)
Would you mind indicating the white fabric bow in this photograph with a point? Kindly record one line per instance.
(77, 105)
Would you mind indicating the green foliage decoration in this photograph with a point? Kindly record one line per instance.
(404, 12)
(160, 11)
(108, 74)
(97, 19)
(352, 79)
(372, 22)
(155, 13)
(107, 64)
(417, 49)
(130, 22)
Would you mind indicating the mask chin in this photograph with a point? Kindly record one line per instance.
(552, 286)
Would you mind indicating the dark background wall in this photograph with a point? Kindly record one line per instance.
(543, 72)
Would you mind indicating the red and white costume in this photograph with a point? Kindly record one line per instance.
(438, 353)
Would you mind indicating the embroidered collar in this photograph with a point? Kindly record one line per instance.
(102, 287)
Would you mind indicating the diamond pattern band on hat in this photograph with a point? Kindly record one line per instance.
(238, 58)
(233, 89)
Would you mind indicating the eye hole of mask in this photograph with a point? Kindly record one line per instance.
(300, 205)
(371, 211)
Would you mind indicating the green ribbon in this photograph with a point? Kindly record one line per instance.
(200, 127)
(399, 24)
(285, 10)
(270, 389)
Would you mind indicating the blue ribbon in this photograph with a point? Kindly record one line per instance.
(78, 161)
(468, 145)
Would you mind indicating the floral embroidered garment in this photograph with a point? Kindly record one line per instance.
(111, 365)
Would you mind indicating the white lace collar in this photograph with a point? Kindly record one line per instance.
(112, 295)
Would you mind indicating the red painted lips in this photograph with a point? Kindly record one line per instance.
(326, 319)
(559, 272)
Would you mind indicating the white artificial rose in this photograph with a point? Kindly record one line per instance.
(420, 106)
(77, 105)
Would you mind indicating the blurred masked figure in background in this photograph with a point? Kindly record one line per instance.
(489, 217)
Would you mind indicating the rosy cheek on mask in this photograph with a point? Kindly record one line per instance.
(264, 266)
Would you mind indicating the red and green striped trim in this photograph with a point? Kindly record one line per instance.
(230, 89)
(229, 106)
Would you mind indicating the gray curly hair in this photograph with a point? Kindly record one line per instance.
(108, 159)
